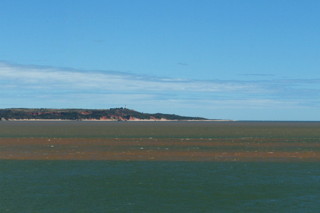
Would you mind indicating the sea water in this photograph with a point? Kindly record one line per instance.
(112, 186)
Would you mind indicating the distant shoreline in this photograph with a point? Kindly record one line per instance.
(111, 120)
(112, 114)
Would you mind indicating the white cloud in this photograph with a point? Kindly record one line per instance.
(35, 86)
(53, 78)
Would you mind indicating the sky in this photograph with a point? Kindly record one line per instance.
(219, 59)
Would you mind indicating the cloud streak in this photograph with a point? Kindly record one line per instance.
(36, 86)
(55, 78)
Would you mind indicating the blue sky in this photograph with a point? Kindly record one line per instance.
(242, 60)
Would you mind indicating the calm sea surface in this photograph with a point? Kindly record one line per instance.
(102, 186)
(125, 186)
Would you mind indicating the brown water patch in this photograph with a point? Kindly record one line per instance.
(155, 149)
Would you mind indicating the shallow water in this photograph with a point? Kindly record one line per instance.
(308, 131)
(111, 186)
(31, 186)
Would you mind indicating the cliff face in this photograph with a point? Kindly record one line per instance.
(116, 114)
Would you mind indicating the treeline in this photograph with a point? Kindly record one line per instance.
(85, 114)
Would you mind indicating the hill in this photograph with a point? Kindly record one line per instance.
(113, 114)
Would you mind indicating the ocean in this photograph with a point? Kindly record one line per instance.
(99, 186)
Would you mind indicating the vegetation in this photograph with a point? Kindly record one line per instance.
(120, 114)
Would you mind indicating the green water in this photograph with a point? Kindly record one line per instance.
(110, 186)
(307, 131)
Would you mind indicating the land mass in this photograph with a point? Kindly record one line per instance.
(113, 114)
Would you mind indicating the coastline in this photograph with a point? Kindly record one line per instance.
(114, 120)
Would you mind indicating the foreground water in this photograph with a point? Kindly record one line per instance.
(275, 167)
(119, 186)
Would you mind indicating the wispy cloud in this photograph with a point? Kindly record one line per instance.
(57, 78)
(32, 86)
(258, 74)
